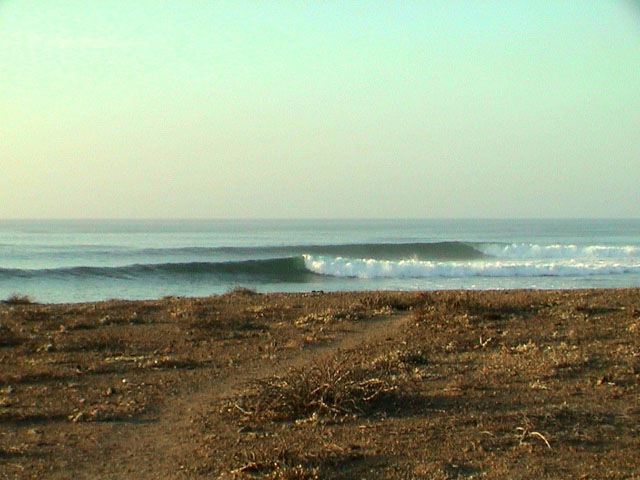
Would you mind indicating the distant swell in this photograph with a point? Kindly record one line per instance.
(383, 251)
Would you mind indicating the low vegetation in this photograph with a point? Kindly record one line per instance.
(336, 387)
(242, 291)
(415, 385)
(17, 299)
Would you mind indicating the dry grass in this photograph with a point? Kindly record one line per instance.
(391, 301)
(336, 387)
(299, 459)
(242, 291)
(500, 305)
(513, 384)
(17, 299)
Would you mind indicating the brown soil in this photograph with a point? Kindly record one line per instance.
(500, 384)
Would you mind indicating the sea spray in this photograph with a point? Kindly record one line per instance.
(409, 268)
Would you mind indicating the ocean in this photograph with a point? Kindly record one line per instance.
(86, 260)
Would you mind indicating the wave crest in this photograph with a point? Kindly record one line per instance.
(557, 251)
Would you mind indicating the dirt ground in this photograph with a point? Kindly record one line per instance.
(412, 385)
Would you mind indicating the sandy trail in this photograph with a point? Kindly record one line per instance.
(160, 448)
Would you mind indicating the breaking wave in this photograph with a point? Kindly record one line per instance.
(530, 251)
(305, 263)
(372, 268)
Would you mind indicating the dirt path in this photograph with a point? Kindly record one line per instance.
(157, 449)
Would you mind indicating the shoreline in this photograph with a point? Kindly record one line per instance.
(420, 384)
(20, 299)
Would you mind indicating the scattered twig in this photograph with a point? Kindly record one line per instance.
(249, 467)
(246, 412)
(538, 434)
(526, 433)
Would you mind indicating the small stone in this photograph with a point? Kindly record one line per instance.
(78, 417)
(46, 348)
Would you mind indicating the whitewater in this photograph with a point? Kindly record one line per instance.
(82, 260)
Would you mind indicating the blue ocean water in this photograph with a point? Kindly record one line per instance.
(86, 260)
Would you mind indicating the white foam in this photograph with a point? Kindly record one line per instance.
(411, 268)
(533, 251)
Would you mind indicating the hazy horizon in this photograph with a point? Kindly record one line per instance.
(312, 219)
(302, 110)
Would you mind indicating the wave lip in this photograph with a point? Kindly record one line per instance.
(411, 268)
(557, 251)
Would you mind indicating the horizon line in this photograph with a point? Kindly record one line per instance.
(221, 219)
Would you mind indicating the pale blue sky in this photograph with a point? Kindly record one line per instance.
(319, 109)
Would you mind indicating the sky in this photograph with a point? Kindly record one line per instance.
(319, 109)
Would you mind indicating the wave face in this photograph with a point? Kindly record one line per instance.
(290, 269)
(383, 251)
(372, 268)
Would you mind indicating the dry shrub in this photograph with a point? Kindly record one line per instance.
(212, 321)
(496, 305)
(17, 299)
(335, 387)
(392, 301)
(413, 357)
(242, 291)
(278, 470)
(297, 472)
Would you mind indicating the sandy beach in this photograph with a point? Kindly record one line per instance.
(450, 384)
